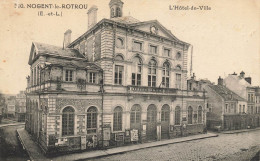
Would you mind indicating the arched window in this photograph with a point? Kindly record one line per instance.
(112, 12)
(136, 71)
(200, 114)
(166, 75)
(152, 73)
(92, 120)
(117, 124)
(165, 115)
(118, 12)
(177, 115)
(68, 121)
(190, 113)
(135, 117)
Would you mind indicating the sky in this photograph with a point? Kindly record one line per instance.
(225, 39)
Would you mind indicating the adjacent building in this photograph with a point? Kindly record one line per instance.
(227, 110)
(10, 106)
(20, 106)
(122, 81)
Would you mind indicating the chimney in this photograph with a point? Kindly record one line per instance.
(234, 73)
(248, 79)
(67, 38)
(92, 16)
(242, 74)
(220, 81)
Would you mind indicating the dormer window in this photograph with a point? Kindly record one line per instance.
(68, 75)
(118, 12)
(112, 12)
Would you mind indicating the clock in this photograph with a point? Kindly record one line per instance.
(153, 29)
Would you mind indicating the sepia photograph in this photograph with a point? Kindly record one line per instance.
(130, 80)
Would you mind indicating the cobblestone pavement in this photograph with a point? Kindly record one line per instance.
(10, 149)
(217, 148)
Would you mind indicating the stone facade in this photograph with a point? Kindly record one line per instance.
(122, 81)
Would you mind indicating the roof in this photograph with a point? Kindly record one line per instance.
(240, 80)
(125, 20)
(225, 93)
(51, 49)
(83, 65)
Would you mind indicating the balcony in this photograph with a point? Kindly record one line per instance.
(151, 90)
(63, 86)
(163, 91)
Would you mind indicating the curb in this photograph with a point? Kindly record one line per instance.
(4, 125)
(24, 147)
(235, 132)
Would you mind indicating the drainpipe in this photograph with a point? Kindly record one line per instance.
(102, 106)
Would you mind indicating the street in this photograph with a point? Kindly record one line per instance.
(10, 149)
(232, 147)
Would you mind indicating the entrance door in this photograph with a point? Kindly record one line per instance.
(151, 122)
(165, 118)
(135, 117)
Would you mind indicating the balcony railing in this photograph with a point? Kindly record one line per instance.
(156, 90)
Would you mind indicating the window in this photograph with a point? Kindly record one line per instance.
(226, 108)
(153, 49)
(177, 115)
(92, 120)
(138, 46)
(119, 74)
(68, 121)
(200, 114)
(136, 71)
(92, 77)
(112, 12)
(68, 75)
(240, 108)
(243, 108)
(178, 56)
(119, 42)
(165, 115)
(152, 73)
(190, 113)
(118, 12)
(166, 75)
(178, 81)
(135, 117)
(117, 124)
(167, 52)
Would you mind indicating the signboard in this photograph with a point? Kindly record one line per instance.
(119, 137)
(134, 135)
(106, 133)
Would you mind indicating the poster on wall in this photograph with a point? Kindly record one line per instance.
(134, 135)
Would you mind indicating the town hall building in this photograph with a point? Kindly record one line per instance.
(123, 81)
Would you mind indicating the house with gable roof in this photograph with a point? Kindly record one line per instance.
(121, 81)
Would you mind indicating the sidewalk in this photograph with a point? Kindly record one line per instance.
(240, 131)
(35, 152)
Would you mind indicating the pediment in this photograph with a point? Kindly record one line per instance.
(154, 27)
(33, 53)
